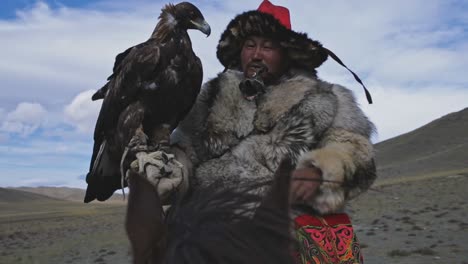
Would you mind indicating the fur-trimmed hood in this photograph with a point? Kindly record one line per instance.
(303, 52)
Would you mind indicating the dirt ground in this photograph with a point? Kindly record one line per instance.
(420, 221)
(63, 233)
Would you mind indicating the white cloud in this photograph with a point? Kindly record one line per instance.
(82, 111)
(3, 137)
(399, 111)
(64, 51)
(43, 149)
(25, 119)
(394, 42)
(422, 65)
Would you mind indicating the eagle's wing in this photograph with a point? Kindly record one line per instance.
(134, 69)
(101, 93)
(132, 75)
(190, 95)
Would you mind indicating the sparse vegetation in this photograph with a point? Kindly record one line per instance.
(424, 251)
(399, 253)
(52, 231)
(413, 236)
(405, 253)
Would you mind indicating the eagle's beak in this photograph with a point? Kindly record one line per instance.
(202, 26)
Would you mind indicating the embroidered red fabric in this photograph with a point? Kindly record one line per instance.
(326, 239)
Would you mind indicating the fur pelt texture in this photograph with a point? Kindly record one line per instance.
(314, 123)
(303, 52)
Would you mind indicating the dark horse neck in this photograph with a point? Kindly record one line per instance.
(215, 225)
(144, 222)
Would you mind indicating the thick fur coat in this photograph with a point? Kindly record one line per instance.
(229, 139)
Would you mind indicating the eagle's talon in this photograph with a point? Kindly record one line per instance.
(163, 171)
(163, 146)
(152, 148)
(166, 171)
(165, 157)
(138, 143)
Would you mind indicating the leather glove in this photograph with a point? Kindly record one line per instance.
(160, 169)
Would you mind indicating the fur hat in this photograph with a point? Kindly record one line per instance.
(273, 22)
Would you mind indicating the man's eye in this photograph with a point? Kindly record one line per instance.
(268, 45)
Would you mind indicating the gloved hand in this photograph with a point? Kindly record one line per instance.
(161, 169)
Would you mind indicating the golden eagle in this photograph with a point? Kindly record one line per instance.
(153, 86)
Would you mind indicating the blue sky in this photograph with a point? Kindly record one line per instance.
(412, 55)
(10, 7)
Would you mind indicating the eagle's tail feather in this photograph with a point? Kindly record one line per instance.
(98, 157)
(100, 190)
(104, 178)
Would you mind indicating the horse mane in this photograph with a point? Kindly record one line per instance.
(228, 225)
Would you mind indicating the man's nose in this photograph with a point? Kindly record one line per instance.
(258, 54)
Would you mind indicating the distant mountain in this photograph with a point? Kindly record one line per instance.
(64, 193)
(441, 145)
(8, 195)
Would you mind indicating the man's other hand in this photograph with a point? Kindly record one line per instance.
(304, 184)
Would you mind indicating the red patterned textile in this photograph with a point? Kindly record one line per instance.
(326, 239)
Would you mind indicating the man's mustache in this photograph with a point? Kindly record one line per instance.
(261, 67)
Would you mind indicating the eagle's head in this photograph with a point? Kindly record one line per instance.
(188, 16)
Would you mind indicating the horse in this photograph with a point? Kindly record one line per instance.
(213, 225)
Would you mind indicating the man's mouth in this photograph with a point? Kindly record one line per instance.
(256, 68)
(250, 98)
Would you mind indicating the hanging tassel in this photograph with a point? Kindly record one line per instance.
(368, 95)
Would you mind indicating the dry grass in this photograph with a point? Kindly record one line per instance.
(62, 232)
(417, 220)
(421, 177)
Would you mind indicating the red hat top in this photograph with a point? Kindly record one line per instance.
(279, 12)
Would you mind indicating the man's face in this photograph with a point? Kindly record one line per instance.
(257, 51)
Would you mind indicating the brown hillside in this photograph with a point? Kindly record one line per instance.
(441, 145)
(65, 193)
(62, 193)
(13, 196)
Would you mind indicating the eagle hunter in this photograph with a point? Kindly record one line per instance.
(153, 86)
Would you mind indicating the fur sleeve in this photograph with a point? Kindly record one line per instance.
(344, 154)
